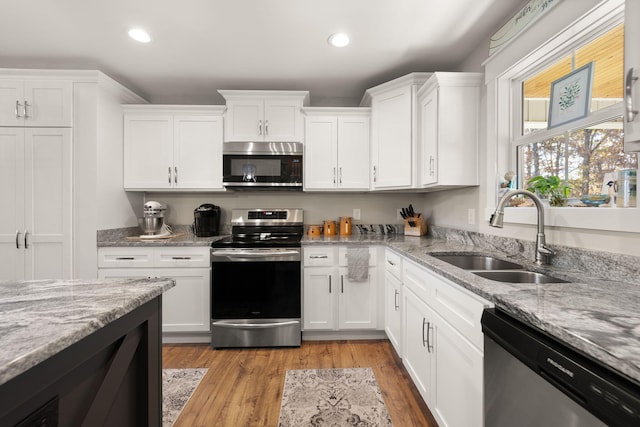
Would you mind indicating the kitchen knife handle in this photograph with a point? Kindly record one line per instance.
(18, 105)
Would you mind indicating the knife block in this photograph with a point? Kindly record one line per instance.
(415, 225)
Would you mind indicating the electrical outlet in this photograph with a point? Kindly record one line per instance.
(356, 214)
(398, 215)
(471, 216)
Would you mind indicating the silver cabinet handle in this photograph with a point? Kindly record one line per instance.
(374, 174)
(259, 127)
(334, 175)
(340, 175)
(169, 175)
(175, 175)
(266, 127)
(124, 258)
(26, 115)
(395, 299)
(181, 257)
(424, 342)
(18, 105)
(628, 96)
(431, 165)
(429, 345)
(318, 257)
(341, 284)
(329, 284)
(26, 244)
(17, 239)
(390, 262)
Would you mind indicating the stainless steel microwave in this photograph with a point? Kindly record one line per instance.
(262, 165)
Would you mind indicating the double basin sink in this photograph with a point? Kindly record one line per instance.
(496, 269)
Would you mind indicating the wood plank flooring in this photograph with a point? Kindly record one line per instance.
(243, 387)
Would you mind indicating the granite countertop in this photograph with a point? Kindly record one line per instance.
(596, 312)
(40, 318)
(182, 236)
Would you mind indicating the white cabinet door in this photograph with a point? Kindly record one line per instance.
(197, 152)
(417, 357)
(35, 103)
(632, 75)
(12, 194)
(35, 232)
(429, 138)
(393, 311)
(244, 120)
(392, 139)
(148, 151)
(282, 120)
(185, 307)
(320, 153)
(353, 153)
(357, 301)
(320, 287)
(48, 203)
(457, 377)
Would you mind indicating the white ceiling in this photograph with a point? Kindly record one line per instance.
(200, 46)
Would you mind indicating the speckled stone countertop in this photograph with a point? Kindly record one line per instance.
(183, 237)
(40, 318)
(596, 312)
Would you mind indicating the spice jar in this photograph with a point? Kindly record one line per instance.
(345, 226)
(314, 230)
(329, 228)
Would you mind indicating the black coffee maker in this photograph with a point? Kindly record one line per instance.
(206, 220)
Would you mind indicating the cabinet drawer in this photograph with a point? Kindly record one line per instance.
(319, 256)
(461, 308)
(181, 256)
(343, 261)
(393, 263)
(125, 257)
(418, 280)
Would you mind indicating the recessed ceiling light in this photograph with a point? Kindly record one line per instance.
(338, 40)
(138, 34)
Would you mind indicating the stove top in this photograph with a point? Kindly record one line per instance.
(264, 228)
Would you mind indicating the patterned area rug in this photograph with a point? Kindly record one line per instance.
(177, 387)
(332, 397)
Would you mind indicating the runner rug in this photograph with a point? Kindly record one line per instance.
(177, 387)
(332, 397)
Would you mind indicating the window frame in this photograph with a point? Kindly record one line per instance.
(504, 72)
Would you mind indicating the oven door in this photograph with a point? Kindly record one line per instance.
(255, 297)
(262, 170)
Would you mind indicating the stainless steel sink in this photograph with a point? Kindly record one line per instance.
(477, 262)
(518, 276)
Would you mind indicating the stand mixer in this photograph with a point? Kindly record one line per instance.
(152, 223)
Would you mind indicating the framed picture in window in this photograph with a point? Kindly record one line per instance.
(571, 96)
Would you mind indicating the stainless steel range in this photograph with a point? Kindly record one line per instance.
(256, 280)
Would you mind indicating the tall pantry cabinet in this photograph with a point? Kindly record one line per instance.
(35, 169)
(54, 126)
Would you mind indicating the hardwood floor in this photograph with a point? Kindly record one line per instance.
(243, 387)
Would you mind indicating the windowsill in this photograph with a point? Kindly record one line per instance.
(590, 218)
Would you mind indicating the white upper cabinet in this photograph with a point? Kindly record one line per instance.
(35, 103)
(336, 149)
(449, 106)
(270, 116)
(632, 75)
(394, 132)
(169, 147)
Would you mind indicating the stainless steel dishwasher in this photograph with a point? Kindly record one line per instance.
(531, 379)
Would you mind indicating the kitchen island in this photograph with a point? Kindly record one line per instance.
(81, 352)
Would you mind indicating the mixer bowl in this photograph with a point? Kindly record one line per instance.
(151, 225)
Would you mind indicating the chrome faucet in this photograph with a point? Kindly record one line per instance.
(543, 253)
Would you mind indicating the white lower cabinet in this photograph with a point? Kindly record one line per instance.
(443, 350)
(185, 307)
(331, 301)
(393, 300)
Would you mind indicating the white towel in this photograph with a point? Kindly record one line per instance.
(357, 263)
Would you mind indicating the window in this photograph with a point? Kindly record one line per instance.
(585, 153)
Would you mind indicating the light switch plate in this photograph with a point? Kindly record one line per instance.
(356, 214)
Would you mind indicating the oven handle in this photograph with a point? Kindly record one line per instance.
(291, 255)
(230, 324)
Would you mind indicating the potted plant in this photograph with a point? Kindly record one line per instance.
(551, 188)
